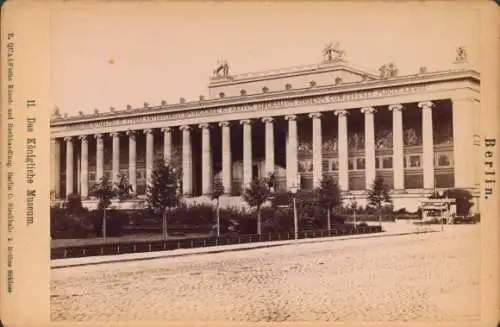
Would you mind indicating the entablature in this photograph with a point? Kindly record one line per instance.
(427, 86)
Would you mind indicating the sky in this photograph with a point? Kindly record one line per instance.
(117, 54)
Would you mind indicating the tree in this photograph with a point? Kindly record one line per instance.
(378, 195)
(329, 196)
(255, 195)
(163, 193)
(104, 191)
(217, 191)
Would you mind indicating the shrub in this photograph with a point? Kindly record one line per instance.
(72, 223)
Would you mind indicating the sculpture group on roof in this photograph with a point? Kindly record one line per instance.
(388, 71)
(461, 55)
(333, 52)
(222, 69)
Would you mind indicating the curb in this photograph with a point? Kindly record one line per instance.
(169, 254)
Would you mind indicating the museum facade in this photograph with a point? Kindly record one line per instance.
(420, 132)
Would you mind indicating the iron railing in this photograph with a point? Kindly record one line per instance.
(125, 247)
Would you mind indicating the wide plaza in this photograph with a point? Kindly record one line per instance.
(427, 277)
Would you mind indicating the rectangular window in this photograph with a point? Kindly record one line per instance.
(350, 164)
(360, 163)
(443, 160)
(91, 176)
(335, 165)
(377, 162)
(326, 165)
(387, 162)
(414, 161)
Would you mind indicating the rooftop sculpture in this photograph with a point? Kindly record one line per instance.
(461, 55)
(222, 69)
(388, 71)
(333, 52)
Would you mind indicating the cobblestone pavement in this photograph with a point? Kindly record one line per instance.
(421, 278)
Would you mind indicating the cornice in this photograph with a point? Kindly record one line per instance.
(417, 79)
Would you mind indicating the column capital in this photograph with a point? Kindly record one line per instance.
(114, 134)
(368, 110)
(267, 119)
(315, 115)
(224, 124)
(166, 129)
(425, 105)
(396, 107)
(82, 137)
(147, 131)
(185, 127)
(246, 122)
(131, 133)
(204, 125)
(341, 113)
(98, 136)
(290, 117)
(68, 138)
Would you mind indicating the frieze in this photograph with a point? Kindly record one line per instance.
(251, 107)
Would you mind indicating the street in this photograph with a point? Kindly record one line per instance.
(419, 277)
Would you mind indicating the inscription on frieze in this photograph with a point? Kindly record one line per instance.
(251, 107)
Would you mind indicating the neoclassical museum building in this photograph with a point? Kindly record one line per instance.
(420, 132)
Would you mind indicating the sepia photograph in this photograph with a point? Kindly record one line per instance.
(266, 162)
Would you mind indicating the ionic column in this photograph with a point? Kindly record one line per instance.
(206, 175)
(78, 172)
(69, 165)
(226, 156)
(269, 135)
(187, 178)
(463, 142)
(132, 161)
(317, 147)
(247, 152)
(369, 145)
(84, 175)
(343, 155)
(99, 158)
(116, 157)
(291, 162)
(427, 144)
(167, 143)
(149, 155)
(397, 147)
(55, 166)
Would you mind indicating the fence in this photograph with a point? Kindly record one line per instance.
(165, 245)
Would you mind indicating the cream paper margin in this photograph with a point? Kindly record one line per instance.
(29, 304)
